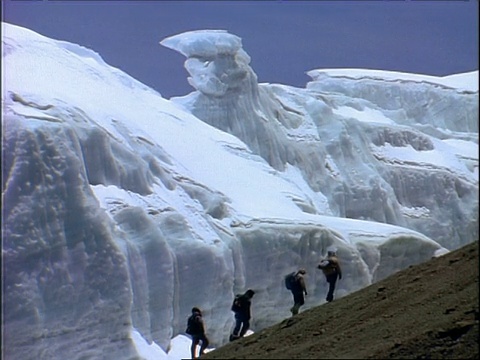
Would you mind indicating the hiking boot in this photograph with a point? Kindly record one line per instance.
(294, 309)
(233, 337)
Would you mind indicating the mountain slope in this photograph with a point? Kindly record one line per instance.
(426, 311)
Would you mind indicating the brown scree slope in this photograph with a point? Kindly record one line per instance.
(426, 311)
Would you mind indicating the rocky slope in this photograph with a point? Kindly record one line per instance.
(426, 311)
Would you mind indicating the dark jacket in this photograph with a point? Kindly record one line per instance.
(195, 323)
(244, 304)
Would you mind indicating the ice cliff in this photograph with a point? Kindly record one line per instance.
(121, 210)
(344, 127)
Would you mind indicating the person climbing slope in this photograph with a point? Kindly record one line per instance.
(296, 284)
(241, 307)
(196, 329)
(332, 270)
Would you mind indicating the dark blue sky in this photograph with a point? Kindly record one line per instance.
(284, 38)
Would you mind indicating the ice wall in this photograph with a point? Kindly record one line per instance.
(420, 104)
(338, 129)
(143, 263)
(65, 283)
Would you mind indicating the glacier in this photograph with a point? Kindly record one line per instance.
(121, 209)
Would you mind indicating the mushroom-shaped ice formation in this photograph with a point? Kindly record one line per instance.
(215, 60)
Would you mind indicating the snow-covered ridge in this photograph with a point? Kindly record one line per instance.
(122, 210)
(16, 33)
(462, 82)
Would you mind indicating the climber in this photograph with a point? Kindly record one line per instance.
(332, 271)
(196, 329)
(298, 288)
(241, 307)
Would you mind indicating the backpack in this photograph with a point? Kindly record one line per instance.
(331, 266)
(236, 305)
(290, 280)
(193, 325)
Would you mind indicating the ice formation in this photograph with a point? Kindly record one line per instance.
(122, 210)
